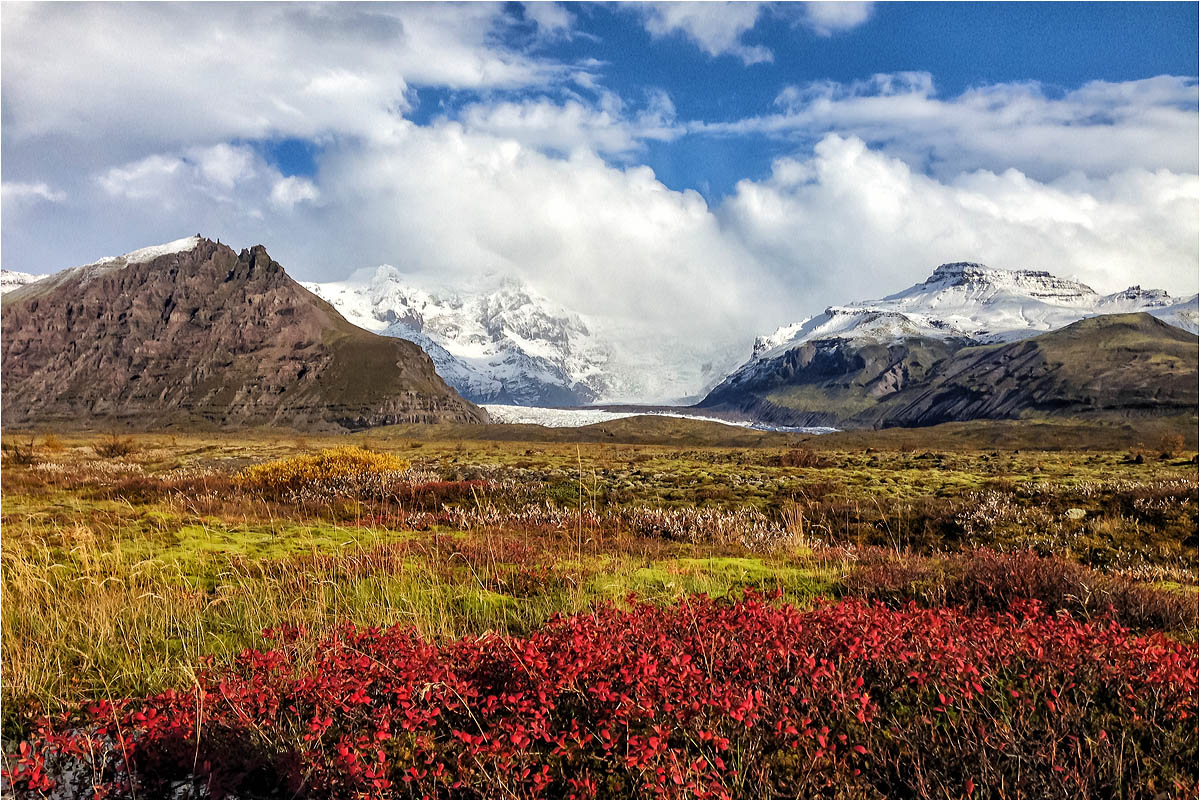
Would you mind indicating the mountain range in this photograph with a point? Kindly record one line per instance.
(941, 349)
(835, 368)
(192, 332)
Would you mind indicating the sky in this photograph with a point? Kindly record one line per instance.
(690, 175)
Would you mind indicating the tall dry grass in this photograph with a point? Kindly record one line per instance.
(89, 618)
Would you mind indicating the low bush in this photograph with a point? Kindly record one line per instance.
(114, 447)
(431, 496)
(326, 474)
(802, 457)
(706, 698)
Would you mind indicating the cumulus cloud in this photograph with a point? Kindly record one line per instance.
(1100, 128)
(233, 176)
(552, 19)
(287, 192)
(851, 223)
(218, 173)
(828, 18)
(607, 126)
(716, 28)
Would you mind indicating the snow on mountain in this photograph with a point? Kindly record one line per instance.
(974, 302)
(497, 342)
(110, 263)
(143, 255)
(11, 279)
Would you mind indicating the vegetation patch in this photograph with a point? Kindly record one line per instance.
(344, 471)
(743, 698)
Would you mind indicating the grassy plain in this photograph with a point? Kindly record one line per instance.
(121, 573)
(132, 564)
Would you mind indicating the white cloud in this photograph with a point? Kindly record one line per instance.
(23, 192)
(852, 223)
(287, 192)
(224, 173)
(1100, 128)
(224, 165)
(613, 242)
(143, 179)
(828, 18)
(552, 19)
(170, 75)
(607, 126)
(716, 28)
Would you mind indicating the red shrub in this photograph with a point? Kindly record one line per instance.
(706, 698)
(992, 580)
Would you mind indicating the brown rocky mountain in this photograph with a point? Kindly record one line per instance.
(195, 333)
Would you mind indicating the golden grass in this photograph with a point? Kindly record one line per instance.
(297, 471)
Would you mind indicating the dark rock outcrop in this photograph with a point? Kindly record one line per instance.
(824, 382)
(1117, 365)
(205, 336)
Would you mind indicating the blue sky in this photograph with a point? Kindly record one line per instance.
(1060, 45)
(688, 175)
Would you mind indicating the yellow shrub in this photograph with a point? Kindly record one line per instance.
(314, 471)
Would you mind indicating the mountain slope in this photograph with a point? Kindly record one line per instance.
(499, 343)
(193, 332)
(1121, 364)
(843, 363)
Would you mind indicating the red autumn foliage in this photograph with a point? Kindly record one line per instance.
(985, 579)
(707, 698)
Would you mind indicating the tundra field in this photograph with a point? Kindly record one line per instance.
(643, 608)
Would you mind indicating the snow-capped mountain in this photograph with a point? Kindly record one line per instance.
(827, 369)
(499, 342)
(11, 279)
(982, 304)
